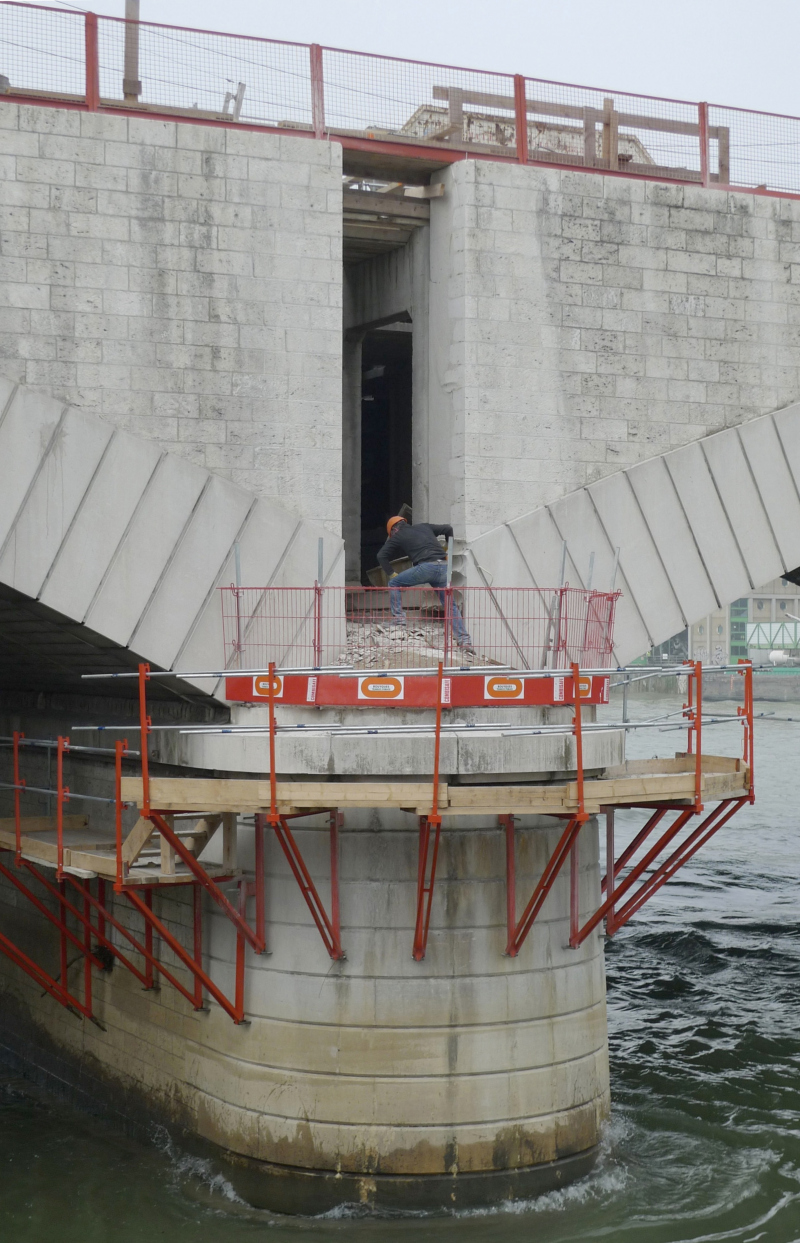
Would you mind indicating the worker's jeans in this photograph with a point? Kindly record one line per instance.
(434, 573)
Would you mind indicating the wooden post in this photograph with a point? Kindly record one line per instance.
(724, 154)
(167, 852)
(589, 147)
(702, 113)
(521, 116)
(317, 92)
(92, 63)
(131, 86)
(610, 135)
(229, 841)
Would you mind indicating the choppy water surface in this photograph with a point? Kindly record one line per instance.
(704, 1013)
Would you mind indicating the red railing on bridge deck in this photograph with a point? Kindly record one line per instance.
(365, 101)
(362, 628)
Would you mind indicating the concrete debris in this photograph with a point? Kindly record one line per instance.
(373, 645)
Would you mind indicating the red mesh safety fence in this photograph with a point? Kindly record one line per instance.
(236, 78)
(416, 627)
(406, 100)
(197, 70)
(43, 49)
(764, 147)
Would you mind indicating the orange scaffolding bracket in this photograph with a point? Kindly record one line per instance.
(426, 877)
(566, 846)
(328, 926)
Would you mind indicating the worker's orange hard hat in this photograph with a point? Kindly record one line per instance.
(392, 523)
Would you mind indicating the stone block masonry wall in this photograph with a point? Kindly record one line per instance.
(597, 321)
(183, 282)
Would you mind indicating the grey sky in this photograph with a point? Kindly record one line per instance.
(725, 51)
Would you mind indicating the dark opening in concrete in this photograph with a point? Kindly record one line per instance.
(385, 434)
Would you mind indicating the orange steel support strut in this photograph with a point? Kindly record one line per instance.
(426, 879)
(566, 846)
(245, 935)
(328, 926)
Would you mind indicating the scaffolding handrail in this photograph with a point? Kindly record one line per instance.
(344, 671)
(573, 809)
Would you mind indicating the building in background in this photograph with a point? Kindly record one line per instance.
(750, 628)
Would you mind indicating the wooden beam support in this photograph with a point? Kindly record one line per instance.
(44, 824)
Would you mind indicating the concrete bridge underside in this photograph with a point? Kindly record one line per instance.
(688, 531)
(111, 550)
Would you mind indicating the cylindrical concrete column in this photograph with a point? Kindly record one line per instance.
(465, 1078)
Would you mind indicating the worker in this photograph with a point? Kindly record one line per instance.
(428, 566)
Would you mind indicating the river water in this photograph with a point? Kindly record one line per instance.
(704, 1018)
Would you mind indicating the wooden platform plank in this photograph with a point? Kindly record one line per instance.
(44, 824)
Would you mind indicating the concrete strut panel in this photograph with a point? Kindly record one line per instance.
(696, 528)
(115, 534)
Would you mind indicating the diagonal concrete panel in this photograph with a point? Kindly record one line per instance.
(776, 485)
(110, 532)
(711, 528)
(744, 507)
(44, 519)
(99, 528)
(27, 428)
(623, 520)
(668, 525)
(192, 571)
(697, 528)
(158, 524)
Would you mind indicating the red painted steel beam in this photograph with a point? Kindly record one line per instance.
(184, 957)
(54, 919)
(327, 929)
(702, 834)
(104, 916)
(96, 904)
(425, 883)
(92, 63)
(521, 118)
(630, 880)
(40, 976)
(545, 884)
(630, 850)
(203, 878)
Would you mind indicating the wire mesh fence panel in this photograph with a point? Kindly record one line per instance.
(416, 627)
(764, 148)
(43, 49)
(249, 80)
(613, 130)
(438, 104)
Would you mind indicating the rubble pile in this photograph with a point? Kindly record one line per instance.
(381, 645)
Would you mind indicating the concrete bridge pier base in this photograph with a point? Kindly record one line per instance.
(465, 1079)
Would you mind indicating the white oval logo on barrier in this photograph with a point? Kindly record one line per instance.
(584, 687)
(385, 686)
(501, 686)
(261, 686)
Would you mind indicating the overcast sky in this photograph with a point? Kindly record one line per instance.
(736, 52)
